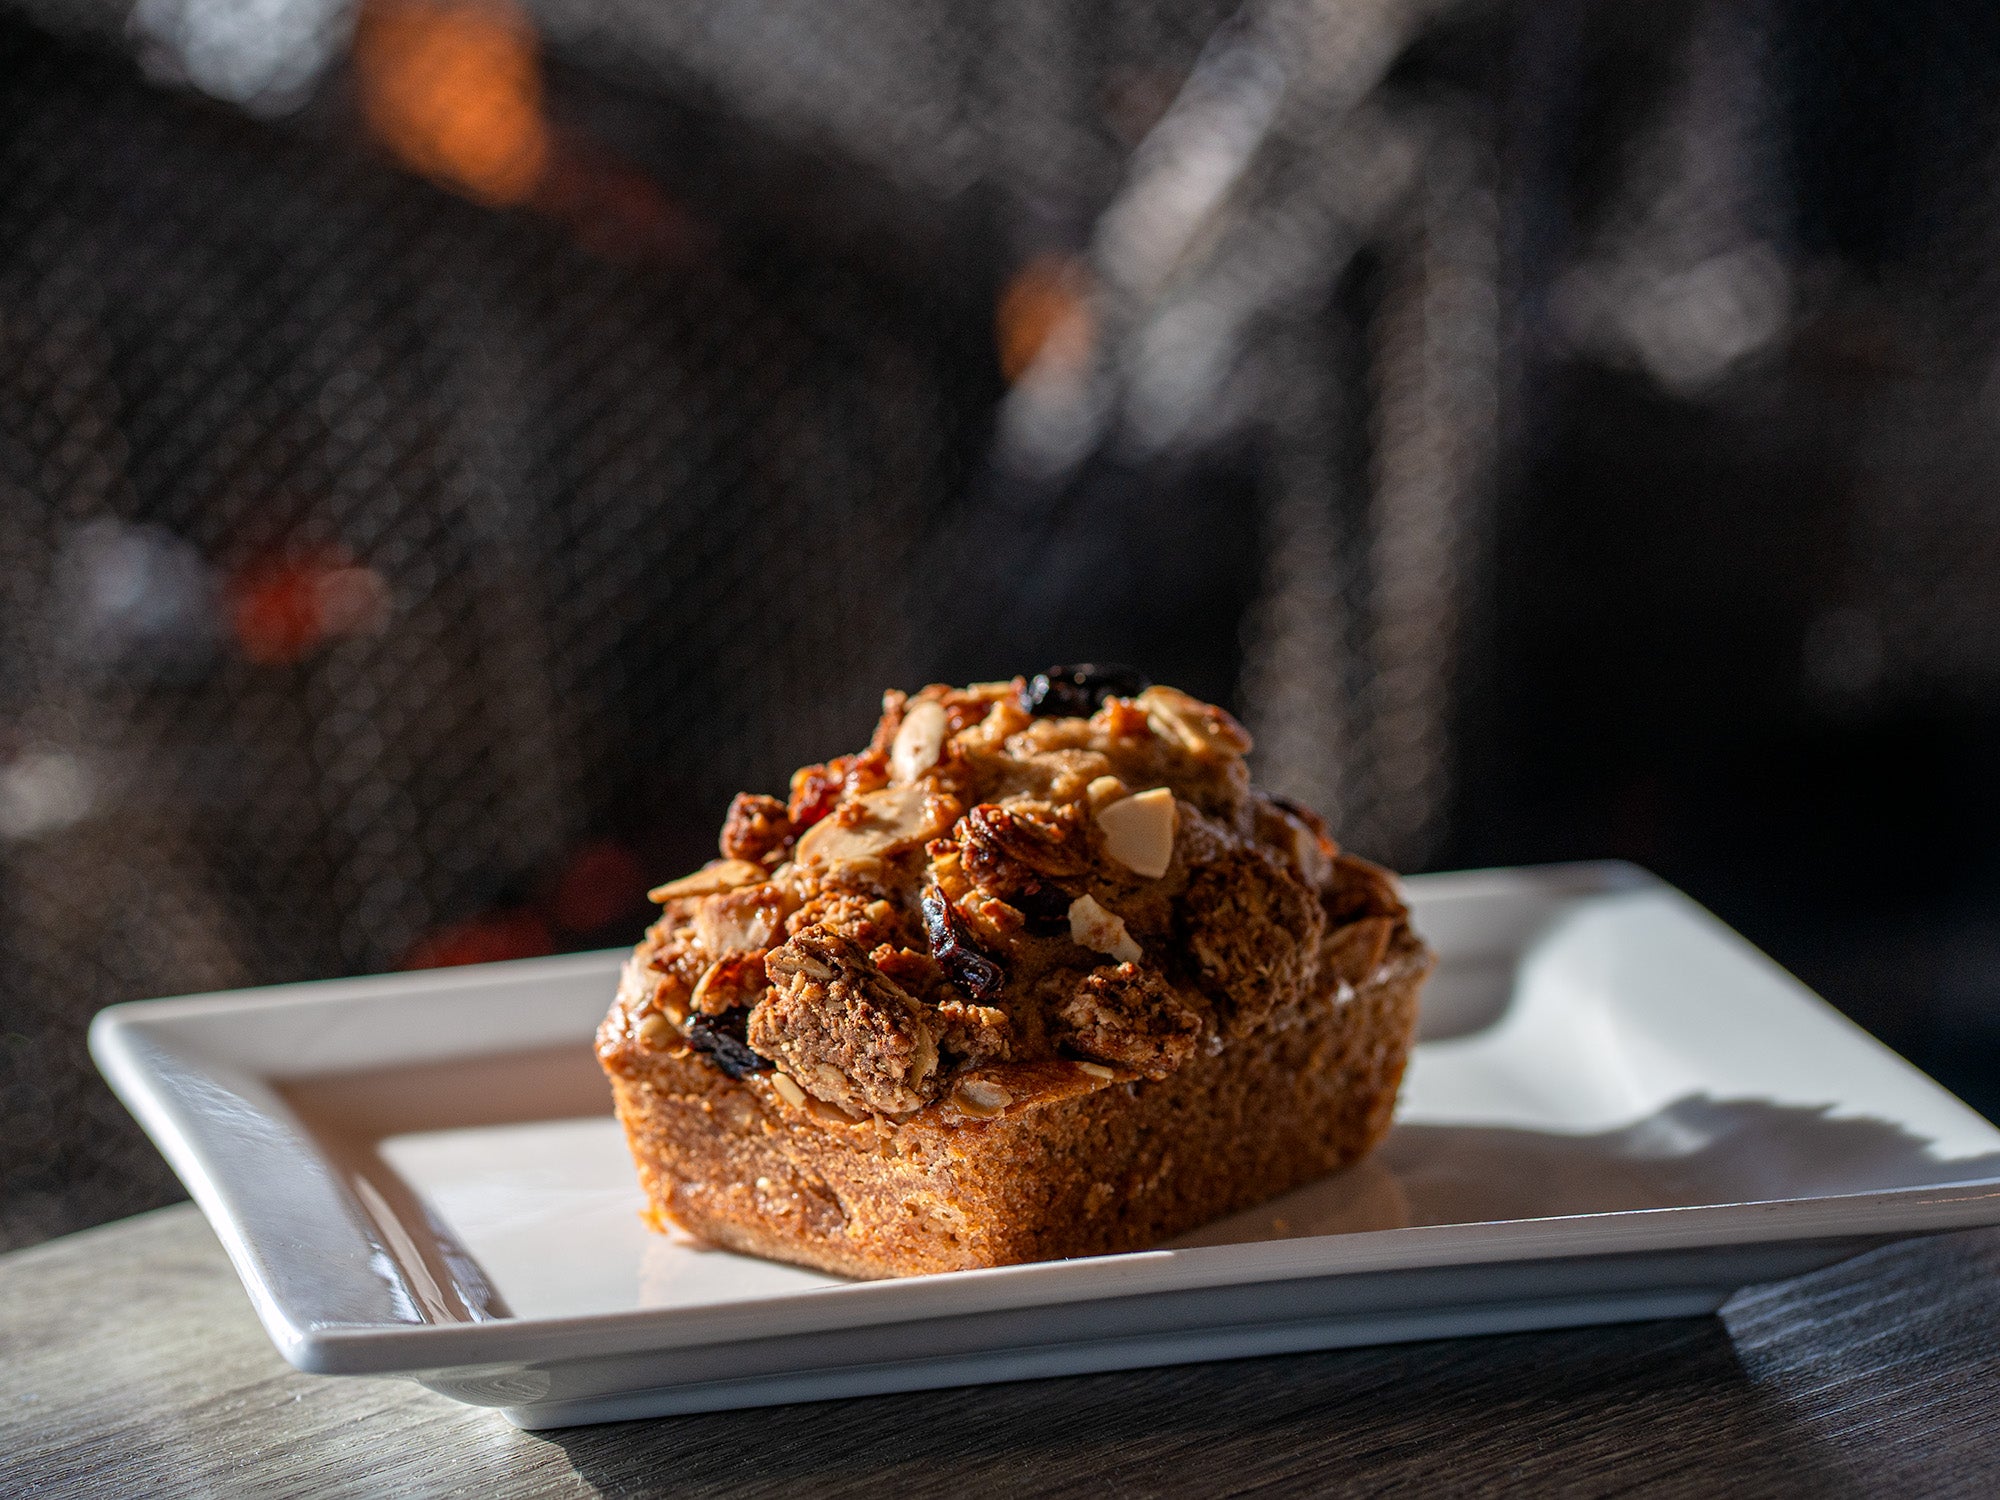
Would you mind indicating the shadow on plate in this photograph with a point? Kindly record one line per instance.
(1698, 1150)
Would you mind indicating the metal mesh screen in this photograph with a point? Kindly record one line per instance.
(447, 446)
(416, 529)
(389, 580)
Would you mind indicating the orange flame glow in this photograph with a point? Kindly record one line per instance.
(1045, 307)
(454, 89)
(285, 606)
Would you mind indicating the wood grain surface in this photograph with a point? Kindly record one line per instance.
(130, 1364)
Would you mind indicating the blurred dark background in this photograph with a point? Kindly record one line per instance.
(448, 446)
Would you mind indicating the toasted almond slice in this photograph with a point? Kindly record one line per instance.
(883, 819)
(1102, 931)
(919, 740)
(1104, 791)
(728, 925)
(788, 1089)
(1176, 730)
(1202, 727)
(1139, 831)
(701, 986)
(716, 875)
(981, 1098)
(828, 1113)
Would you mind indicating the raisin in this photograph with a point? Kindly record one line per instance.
(1046, 908)
(972, 971)
(725, 1039)
(1079, 691)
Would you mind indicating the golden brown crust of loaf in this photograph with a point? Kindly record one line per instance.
(1079, 1165)
(1003, 988)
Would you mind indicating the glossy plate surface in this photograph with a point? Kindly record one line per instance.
(1617, 1109)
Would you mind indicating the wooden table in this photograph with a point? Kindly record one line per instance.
(130, 1364)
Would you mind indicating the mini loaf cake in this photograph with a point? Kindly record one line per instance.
(1036, 974)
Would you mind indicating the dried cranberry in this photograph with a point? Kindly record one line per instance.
(1079, 691)
(725, 1038)
(972, 971)
(815, 790)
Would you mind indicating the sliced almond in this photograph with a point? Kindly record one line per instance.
(788, 1089)
(878, 822)
(716, 875)
(1176, 731)
(1139, 831)
(728, 924)
(981, 1098)
(804, 964)
(1104, 791)
(656, 1031)
(829, 1113)
(703, 985)
(1201, 727)
(919, 740)
(1102, 931)
(1355, 952)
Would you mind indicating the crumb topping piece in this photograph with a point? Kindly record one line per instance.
(1073, 867)
(1130, 1016)
(846, 1032)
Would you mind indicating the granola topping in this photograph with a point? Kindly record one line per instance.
(1013, 875)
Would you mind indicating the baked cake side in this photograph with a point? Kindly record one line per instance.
(1037, 974)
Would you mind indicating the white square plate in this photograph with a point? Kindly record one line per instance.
(1618, 1109)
